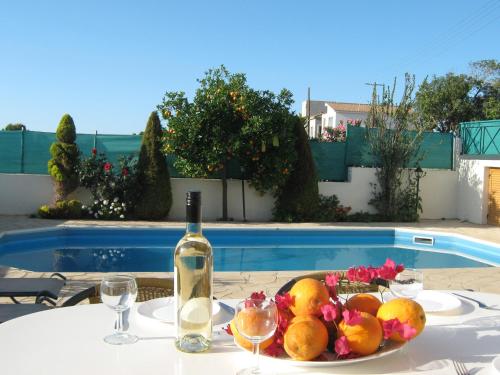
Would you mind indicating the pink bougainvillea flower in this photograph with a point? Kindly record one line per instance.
(352, 317)
(389, 270)
(255, 299)
(332, 279)
(351, 274)
(94, 151)
(391, 326)
(363, 275)
(275, 349)
(329, 312)
(124, 172)
(107, 166)
(283, 301)
(228, 330)
(282, 322)
(342, 346)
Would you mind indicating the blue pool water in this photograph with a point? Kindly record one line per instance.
(136, 250)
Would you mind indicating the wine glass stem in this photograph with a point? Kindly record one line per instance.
(119, 322)
(256, 352)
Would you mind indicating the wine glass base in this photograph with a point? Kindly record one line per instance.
(121, 339)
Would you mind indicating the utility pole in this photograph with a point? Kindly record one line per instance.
(308, 112)
(375, 84)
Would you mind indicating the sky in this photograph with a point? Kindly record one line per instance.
(109, 63)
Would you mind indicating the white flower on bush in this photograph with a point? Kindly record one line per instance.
(96, 202)
(122, 216)
(91, 212)
(96, 215)
(116, 199)
(99, 212)
(123, 204)
(105, 202)
(83, 207)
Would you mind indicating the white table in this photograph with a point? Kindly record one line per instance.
(70, 341)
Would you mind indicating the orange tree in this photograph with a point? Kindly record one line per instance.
(228, 120)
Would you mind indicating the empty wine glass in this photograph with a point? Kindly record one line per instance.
(256, 320)
(119, 293)
(407, 284)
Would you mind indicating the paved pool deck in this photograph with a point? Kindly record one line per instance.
(241, 284)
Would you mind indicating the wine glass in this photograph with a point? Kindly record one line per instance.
(407, 284)
(119, 292)
(256, 320)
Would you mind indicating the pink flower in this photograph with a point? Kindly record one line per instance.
(329, 312)
(352, 317)
(389, 270)
(332, 279)
(342, 346)
(275, 349)
(391, 326)
(124, 172)
(107, 166)
(255, 299)
(94, 151)
(351, 274)
(283, 301)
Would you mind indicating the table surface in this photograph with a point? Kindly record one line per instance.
(70, 341)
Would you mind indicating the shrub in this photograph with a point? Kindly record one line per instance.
(63, 164)
(298, 200)
(63, 209)
(153, 175)
(114, 189)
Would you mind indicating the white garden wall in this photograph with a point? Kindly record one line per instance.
(22, 194)
(472, 197)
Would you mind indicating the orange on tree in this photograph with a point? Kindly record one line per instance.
(306, 338)
(364, 302)
(364, 338)
(309, 295)
(406, 311)
(244, 343)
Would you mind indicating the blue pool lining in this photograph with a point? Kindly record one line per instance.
(444, 242)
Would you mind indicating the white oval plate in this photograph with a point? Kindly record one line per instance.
(330, 360)
(433, 301)
(162, 309)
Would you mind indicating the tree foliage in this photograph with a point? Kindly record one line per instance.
(14, 127)
(298, 199)
(65, 158)
(153, 175)
(393, 145)
(446, 101)
(228, 121)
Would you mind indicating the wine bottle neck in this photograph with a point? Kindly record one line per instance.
(193, 228)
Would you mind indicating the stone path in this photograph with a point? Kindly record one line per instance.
(241, 284)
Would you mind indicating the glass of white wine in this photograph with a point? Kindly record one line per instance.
(256, 320)
(119, 293)
(407, 284)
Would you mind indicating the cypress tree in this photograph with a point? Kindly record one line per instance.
(156, 198)
(63, 164)
(298, 199)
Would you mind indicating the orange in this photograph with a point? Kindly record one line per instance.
(309, 296)
(246, 344)
(365, 337)
(306, 338)
(364, 303)
(406, 311)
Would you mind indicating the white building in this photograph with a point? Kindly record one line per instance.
(330, 114)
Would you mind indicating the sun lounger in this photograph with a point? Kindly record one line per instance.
(11, 311)
(41, 288)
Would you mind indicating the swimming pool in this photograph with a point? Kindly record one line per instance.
(85, 249)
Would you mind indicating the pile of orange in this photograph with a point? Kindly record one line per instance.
(308, 336)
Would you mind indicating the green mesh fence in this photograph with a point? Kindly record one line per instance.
(28, 152)
(480, 137)
(330, 160)
(436, 150)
